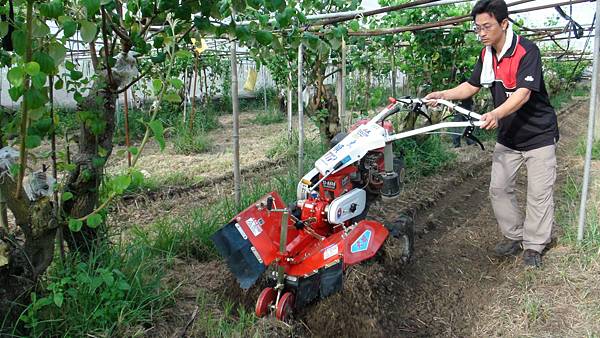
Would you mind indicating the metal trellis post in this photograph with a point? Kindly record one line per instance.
(236, 120)
(590, 135)
(300, 116)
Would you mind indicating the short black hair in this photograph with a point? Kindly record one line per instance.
(495, 8)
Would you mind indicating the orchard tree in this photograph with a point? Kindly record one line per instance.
(118, 36)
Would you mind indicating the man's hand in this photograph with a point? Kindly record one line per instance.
(490, 121)
(433, 97)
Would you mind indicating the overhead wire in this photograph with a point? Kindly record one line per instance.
(583, 50)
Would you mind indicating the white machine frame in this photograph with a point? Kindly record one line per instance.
(371, 136)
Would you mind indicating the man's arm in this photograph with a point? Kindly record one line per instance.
(463, 91)
(511, 105)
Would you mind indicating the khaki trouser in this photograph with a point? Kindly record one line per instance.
(536, 227)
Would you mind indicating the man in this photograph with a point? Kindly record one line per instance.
(511, 67)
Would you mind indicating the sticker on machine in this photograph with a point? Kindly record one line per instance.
(330, 251)
(362, 242)
(255, 226)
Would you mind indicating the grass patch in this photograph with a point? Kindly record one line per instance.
(568, 214)
(582, 146)
(189, 236)
(189, 142)
(424, 156)
(233, 321)
(559, 99)
(114, 293)
(270, 116)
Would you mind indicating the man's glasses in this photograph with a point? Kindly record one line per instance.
(483, 28)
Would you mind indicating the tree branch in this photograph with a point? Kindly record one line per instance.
(120, 91)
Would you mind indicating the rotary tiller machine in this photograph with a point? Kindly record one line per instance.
(307, 245)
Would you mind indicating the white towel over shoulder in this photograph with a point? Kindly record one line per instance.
(487, 71)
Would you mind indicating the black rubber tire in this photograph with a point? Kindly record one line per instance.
(404, 229)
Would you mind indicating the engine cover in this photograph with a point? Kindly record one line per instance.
(347, 206)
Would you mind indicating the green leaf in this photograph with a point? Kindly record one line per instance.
(32, 141)
(3, 28)
(75, 224)
(15, 76)
(57, 52)
(156, 86)
(159, 58)
(67, 195)
(35, 98)
(69, 26)
(123, 285)
(88, 31)
(354, 25)
(264, 37)
(137, 178)
(121, 183)
(91, 6)
(32, 68)
(39, 29)
(94, 220)
(36, 114)
(172, 97)
(15, 93)
(19, 40)
(133, 150)
(176, 83)
(70, 66)
(39, 80)
(58, 299)
(58, 85)
(52, 9)
(45, 61)
(158, 130)
(184, 54)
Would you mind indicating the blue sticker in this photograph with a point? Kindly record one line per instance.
(364, 132)
(330, 156)
(361, 243)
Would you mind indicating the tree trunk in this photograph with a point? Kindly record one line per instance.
(30, 254)
(84, 181)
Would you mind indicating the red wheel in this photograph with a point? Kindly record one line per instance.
(285, 306)
(266, 299)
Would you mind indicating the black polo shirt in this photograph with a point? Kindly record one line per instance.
(534, 125)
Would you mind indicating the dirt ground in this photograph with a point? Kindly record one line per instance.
(454, 286)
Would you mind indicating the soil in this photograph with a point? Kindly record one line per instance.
(441, 292)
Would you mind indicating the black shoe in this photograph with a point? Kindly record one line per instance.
(532, 258)
(508, 247)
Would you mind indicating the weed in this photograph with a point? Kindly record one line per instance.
(112, 293)
(188, 142)
(268, 117)
(568, 213)
(234, 321)
(533, 309)
(582, 146)
(424, 157)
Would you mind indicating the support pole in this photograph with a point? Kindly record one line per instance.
(343, 115)
(289, 107)
(126, 118)
(393, 72)
(300, 116)
(3, 212)
(236, 120)
(594, 98)
(185, 97)
(193, 107)
(264, 87)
